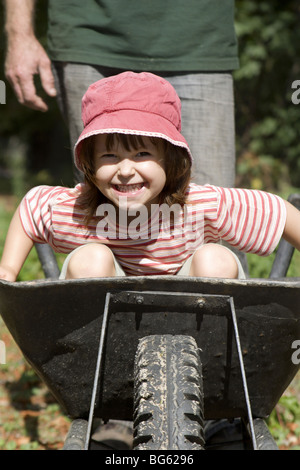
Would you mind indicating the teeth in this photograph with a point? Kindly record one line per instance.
(128, 188)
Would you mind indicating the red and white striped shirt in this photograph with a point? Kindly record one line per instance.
(252, 221)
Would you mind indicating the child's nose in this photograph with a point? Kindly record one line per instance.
(126, 168)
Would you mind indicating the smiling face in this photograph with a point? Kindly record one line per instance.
(129, 177)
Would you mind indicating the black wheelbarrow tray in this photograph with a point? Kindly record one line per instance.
(82, 336)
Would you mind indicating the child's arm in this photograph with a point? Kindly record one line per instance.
(16, 249)
(292, 227)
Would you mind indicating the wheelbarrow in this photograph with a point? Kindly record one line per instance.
(168, 353)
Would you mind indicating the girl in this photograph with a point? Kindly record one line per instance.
(137, 213)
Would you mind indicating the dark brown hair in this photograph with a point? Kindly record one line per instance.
(177, 168)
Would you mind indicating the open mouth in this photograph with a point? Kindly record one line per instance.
(128, 188)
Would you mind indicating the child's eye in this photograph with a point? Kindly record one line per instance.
(143, 154)
(108, 156)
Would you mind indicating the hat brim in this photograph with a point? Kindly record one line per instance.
(131, 122)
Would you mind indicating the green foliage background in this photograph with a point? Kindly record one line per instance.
(267, 123)
(34, 146)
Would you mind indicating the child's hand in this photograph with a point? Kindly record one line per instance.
(292, 227)
(6, 274)
(16, 248)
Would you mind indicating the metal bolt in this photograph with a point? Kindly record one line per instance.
(200, 302)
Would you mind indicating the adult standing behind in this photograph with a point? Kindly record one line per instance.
(192, 43)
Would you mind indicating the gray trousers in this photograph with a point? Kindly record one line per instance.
(207, 115)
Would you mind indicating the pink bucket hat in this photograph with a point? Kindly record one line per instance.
(132, 103)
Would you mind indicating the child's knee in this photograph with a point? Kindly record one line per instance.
(92, 260)
(214, 260)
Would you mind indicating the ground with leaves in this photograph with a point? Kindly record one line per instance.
(30, 419)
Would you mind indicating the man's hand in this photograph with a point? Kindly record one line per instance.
(26, 58)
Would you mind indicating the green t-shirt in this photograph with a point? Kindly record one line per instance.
(153, 35)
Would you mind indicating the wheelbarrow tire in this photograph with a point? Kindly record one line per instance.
(168, 398)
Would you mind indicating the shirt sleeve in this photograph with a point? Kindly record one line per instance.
(252, 221)
(35, 213)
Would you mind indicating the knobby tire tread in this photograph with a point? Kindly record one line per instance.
(168, 398)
